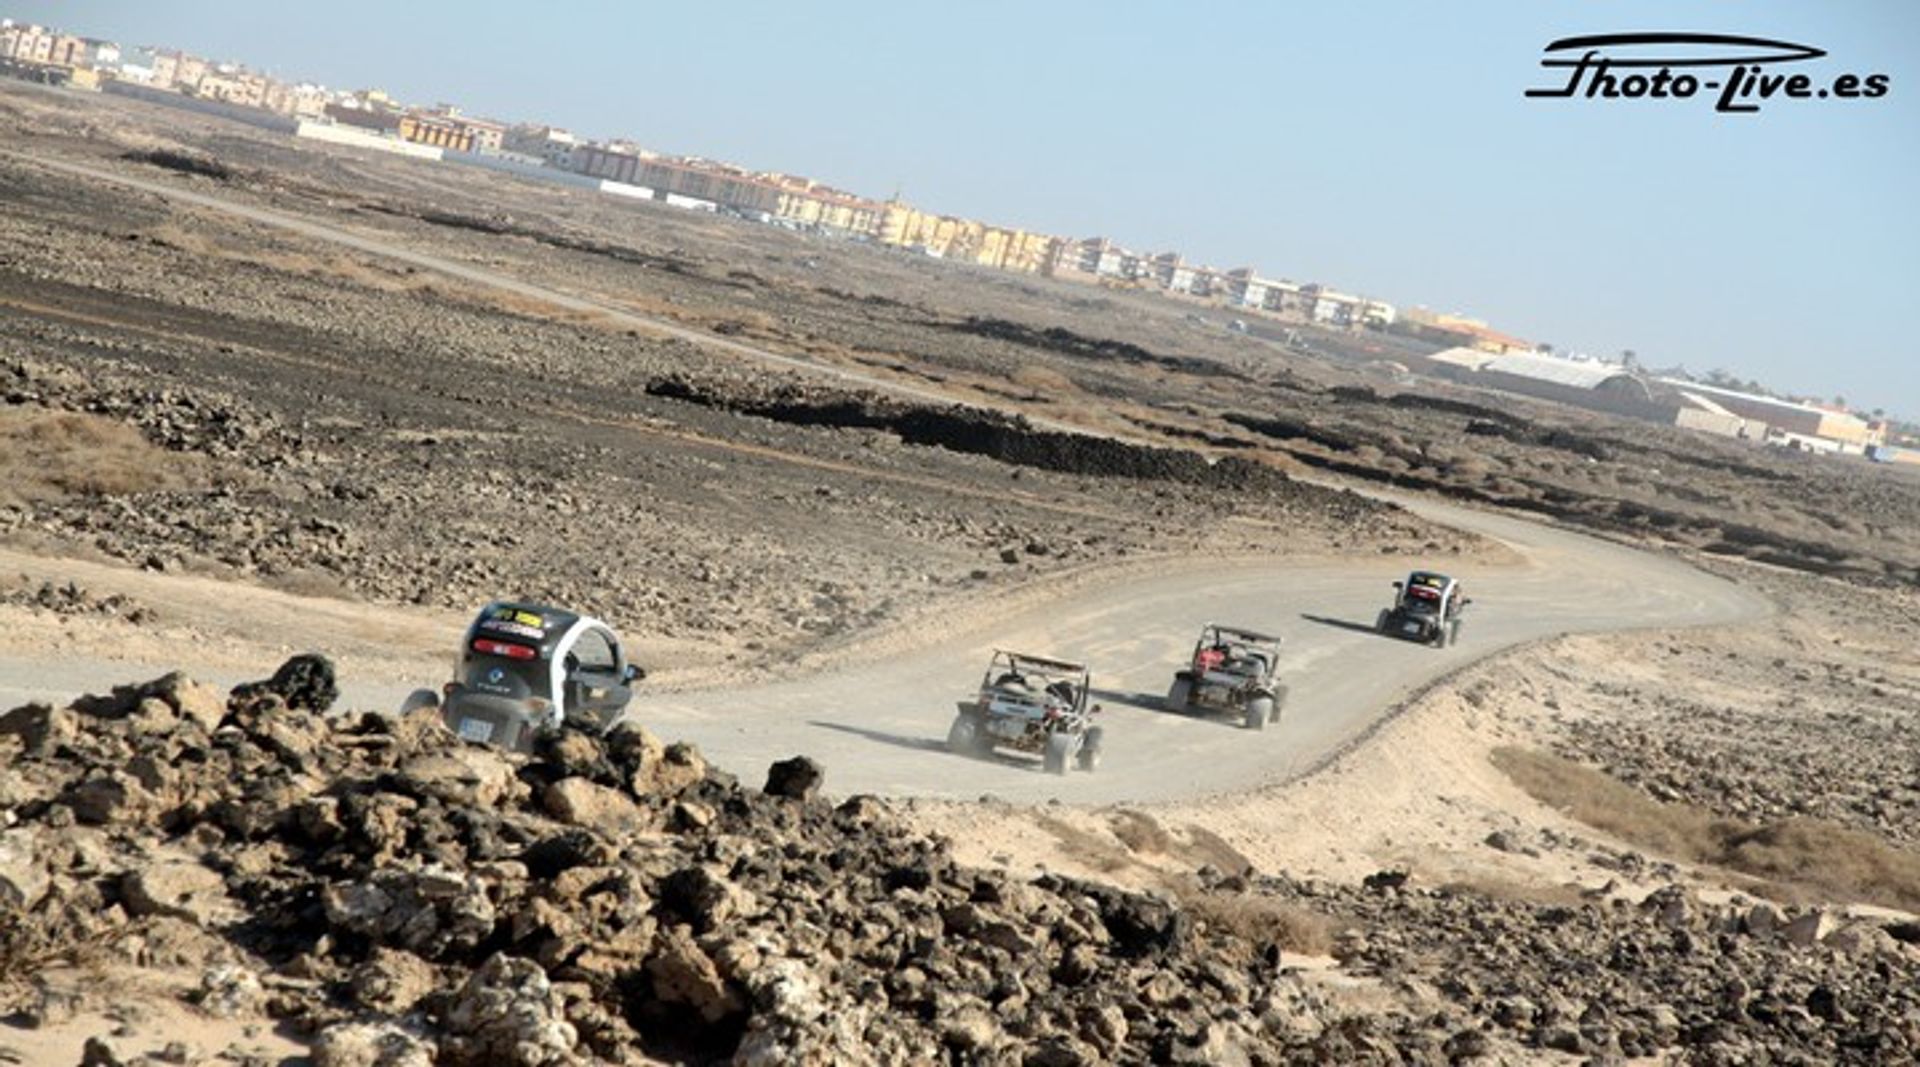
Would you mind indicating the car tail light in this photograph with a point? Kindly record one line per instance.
(487, 647)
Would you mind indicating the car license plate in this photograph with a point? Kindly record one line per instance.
(476, 729)
(1412, 628)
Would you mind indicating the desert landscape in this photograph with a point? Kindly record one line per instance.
(262, 403)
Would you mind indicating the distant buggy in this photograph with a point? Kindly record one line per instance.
(524, 667)
(1233, 670)
(1426, 608)
(1031, 704)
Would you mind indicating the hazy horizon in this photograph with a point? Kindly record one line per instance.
(1388, 151)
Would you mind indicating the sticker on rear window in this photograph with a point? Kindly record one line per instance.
(524, 618)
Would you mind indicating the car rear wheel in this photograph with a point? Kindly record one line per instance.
(1380, 623)
(418, 700)
(1453, 634)
(1061, 748)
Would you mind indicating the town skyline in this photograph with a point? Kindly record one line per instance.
(1770, 327)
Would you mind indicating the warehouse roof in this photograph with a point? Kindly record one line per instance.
(1470, 358)
(1554, 369)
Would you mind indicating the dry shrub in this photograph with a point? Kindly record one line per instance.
(307, 582)
(1800, 856)
(1205, 846)
(1606, 803)
(1043, 380)
(1262, 920)
(1830, 859)
(47, 455)
(1559, 896)
(1141, 832)
(1085, 848)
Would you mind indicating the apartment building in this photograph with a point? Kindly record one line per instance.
(231, 84)
(554, 146)
(26, 43)
(434, 131)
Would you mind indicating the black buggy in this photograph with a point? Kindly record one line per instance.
(1233, 669)
(1031, 704)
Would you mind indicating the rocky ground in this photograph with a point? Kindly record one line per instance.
(285, 413)
(1811, 717)
(1114, 361)
(387, 894)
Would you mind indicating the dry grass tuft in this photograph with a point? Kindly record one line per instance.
(1205, 846)
(1087, 849)
(1044, 381)
(1262, 920)
(1799, 857)
(48, 455)
(1141, 832)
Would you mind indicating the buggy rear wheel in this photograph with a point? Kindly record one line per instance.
(1178, 695)
(1259, 712)
(1061, 748)
(964, 736)
(1380, 622)
(1089, 759)
(1453, 634)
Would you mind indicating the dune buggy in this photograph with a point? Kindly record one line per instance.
(1426, 608)
(1232, 669)
(1033, 704)
(527, 667)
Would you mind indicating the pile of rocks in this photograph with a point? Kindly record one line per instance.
(72, 598)
(1607, 977)
(405, 897)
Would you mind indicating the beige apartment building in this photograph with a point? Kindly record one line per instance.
(178, 70)
(26, 43)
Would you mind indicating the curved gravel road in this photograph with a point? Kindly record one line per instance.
(881, 727)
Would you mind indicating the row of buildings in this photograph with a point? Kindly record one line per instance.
(771, 197)
(86, 61)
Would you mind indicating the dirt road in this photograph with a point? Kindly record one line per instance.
(880, 726)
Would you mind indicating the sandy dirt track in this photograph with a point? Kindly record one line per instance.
(881, 728)
(879, 725)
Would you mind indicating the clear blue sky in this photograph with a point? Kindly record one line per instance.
(1381, 147)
